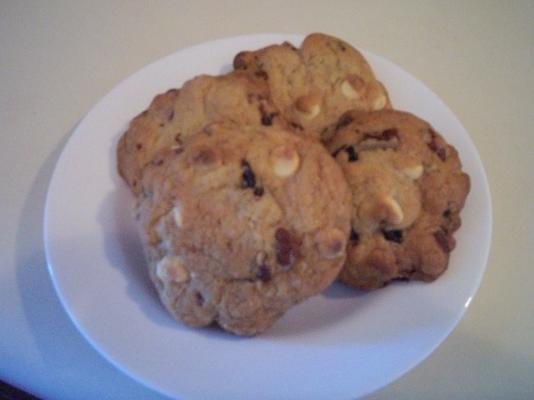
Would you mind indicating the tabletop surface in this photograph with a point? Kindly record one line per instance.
(57, 59)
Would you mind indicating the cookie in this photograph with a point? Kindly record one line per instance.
(242, 224)
(179, 113)
(312, 86)
(408, 190)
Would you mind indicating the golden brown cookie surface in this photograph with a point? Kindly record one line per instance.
(179, 113)
(312, 86)
(242, 224)
(408, 190)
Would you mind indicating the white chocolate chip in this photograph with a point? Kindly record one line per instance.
(308, 106)
(395, 214)
(171, 268)
(285, 161)
(161, 270)
(353, 87)
(177, 215)
(431, 167)
(348, 91)
(414, 172)
(315, 110)
(331, 243)
(260, 257)
(379, 103)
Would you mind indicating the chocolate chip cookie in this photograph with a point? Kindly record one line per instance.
(179, 113)
(408, 190)
(241, 224)
(312, 86)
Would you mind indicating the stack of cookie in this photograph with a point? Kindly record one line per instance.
(257, 189)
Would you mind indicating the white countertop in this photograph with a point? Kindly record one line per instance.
(58, 58)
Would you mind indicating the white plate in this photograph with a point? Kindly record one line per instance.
(342, 344)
